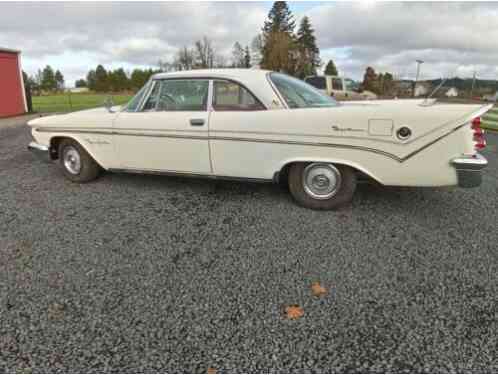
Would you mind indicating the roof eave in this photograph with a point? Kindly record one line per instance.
(8, 50)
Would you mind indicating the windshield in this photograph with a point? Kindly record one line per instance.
(351, 85)
(299, 94)
(133, 104)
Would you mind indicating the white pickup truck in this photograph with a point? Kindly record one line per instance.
(339, 87)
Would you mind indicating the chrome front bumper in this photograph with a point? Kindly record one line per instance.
(40, 150)
(469, 169)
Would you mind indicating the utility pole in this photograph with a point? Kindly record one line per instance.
(473, 83)
(419, 62)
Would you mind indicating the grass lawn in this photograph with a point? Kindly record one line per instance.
(490, 120)
(73, 102)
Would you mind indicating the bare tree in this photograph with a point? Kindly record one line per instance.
(220, 61)
(237, 56)
(185, 59)
(204, 53)
(257, 49)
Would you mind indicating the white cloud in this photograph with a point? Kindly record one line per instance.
(452, 38)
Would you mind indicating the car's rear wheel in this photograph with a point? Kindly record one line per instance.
(76, 163)
(322, 186)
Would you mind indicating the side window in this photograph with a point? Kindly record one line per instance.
(135, 101)
(337, 84)
(178, 95)
(317, 82)
(230, 96)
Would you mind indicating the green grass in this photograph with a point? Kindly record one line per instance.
(73, 102)
(490, 120)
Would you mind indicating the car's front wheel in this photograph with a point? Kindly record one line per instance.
(322, 186)
(76, 163)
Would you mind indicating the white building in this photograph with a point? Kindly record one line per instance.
(421, 89)
(77, 90)
(452, 92)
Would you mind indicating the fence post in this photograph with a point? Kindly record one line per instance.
(70, 101)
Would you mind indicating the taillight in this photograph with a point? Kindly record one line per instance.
(479, 140)
(476, 123)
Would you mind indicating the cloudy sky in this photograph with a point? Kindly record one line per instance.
(452, 38)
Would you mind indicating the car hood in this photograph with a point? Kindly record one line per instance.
(96, 117)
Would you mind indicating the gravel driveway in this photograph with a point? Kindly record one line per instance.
(148, 273)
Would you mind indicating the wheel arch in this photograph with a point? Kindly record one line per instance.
(282, 172)
(55, 141)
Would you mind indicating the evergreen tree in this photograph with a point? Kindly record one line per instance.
(48, 82)
(247, 57)
(117, 80)
(330, 69)
(91, 80)
(308, 52)
(280, 19)
(279, 46)
(81, 83)
(59, 80)
(370, 80)
(101, 79)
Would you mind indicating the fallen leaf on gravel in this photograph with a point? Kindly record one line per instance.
(211, 370)
(55, 311)
(318, 290)
(294, 312)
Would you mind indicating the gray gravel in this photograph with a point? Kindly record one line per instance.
(148, 273)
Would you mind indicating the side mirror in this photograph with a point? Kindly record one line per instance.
(109, 103)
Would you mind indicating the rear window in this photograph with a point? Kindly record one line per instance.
(337, 84)
(318, 82)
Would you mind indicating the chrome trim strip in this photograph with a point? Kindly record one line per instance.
(470, 162)
(187, 174)
(315, 144)
(433, 141)
(210, 96)
(37, 147)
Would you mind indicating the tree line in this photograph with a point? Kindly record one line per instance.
(45, 80)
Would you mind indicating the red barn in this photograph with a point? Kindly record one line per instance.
(12, 95)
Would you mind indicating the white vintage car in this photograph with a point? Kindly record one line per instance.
(267, 126)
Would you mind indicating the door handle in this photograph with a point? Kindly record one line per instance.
(196, 122)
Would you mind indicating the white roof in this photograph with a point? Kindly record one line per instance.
(254, 79)
(2, 49)
(240, 74)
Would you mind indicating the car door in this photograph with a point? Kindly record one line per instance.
(168, 131)
(235, 112)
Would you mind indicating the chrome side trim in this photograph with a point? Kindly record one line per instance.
(474, 162)
(187, 174)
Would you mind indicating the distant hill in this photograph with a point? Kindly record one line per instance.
(465, 84)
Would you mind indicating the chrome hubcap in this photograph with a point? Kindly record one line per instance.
(72, 160)
(321, 181)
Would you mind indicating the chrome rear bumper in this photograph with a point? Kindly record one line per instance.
(469, 169)
(40, 150)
